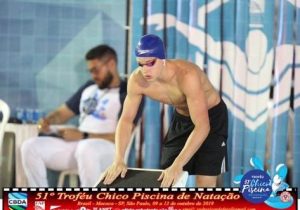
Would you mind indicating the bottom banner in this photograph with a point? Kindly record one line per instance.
(139, 198)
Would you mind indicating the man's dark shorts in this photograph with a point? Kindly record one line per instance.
(211, 157)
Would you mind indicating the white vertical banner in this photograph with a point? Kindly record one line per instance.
(282, 83)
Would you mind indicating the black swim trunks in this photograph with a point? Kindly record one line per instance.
(211, 157)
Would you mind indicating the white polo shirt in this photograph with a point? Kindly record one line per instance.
(99, 109)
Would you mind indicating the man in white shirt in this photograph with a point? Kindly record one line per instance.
(90, 147)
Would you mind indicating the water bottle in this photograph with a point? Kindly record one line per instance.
(21, 114)
(29, 115)
(36, 116)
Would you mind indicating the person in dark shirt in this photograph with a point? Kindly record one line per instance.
(90, 148)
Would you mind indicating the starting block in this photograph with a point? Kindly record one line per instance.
(137, 177)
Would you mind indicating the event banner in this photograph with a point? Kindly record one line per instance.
(137, 198)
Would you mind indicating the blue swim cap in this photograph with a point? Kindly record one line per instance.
(150, 45)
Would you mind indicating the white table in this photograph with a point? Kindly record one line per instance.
(22, 133)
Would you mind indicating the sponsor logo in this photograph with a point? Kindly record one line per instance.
(54, 207)
(256, 186)
(39, 205)
(285, 196)
(144, 51)
(17, 200)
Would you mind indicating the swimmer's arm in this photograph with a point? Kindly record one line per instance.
(123, 131)
(196, 101)
(125, 123)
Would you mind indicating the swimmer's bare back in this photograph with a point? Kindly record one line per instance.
(168, 87)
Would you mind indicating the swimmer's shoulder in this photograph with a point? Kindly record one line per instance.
(136, 80)
(186, 70)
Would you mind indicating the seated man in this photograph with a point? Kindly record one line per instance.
(90, 148)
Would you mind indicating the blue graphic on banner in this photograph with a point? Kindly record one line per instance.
(17, 200)
(235, 71)
(283, 81)
(138, 32)
(257, 186)
(239, 70)
(233, 42)
(171, 8)
(181, 41)
(193, 21)
(259, 51)
(152, 108)
(296, 140)
(228, 19)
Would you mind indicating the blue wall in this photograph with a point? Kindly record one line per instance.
(43, 44)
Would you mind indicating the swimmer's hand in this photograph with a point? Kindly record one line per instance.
(114, 171)
(170, 175)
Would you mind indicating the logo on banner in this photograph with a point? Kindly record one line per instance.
(257, 186)
(285, 196)
(39, 205)
(249, 62)
(54, 207)
(17, 200)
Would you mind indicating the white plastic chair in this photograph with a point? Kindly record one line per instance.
(73, 174)
(73, 178)
(5, 110)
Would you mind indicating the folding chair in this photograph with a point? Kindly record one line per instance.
(4, 168)
(73, 174)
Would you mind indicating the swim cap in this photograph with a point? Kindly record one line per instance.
(150, 45)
